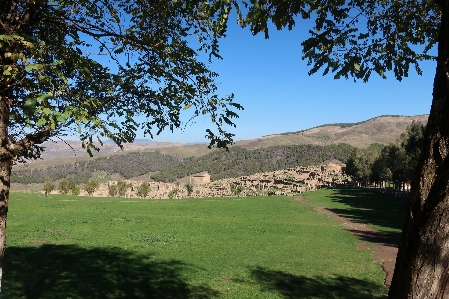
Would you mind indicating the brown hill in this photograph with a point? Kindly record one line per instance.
(382, 129)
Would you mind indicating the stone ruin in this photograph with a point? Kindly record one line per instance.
(288, 182)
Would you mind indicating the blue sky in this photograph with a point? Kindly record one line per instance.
(269, 79)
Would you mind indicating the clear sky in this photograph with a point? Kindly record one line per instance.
(270, 80)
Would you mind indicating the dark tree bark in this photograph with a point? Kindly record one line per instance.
(5, 173)
(422, 264)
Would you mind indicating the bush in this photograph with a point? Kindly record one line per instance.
(91, 186)
(112, 190)
(69, 186)
(49, 185)
(122, 187)
(76, 190)
(189, 188)
(172, 193)
(143, 189)
(236, 189)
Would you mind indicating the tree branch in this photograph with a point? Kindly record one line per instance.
(16, 148)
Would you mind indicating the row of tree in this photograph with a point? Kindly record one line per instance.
(394, 163)
(69, 186)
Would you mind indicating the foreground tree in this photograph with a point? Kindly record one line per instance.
(356, 39)
(102, 69)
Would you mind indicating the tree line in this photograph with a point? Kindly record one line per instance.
(239, 161)
(220, 164)
(395, 162)
(127, 165)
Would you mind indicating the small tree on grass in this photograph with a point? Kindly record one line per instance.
(91, 186)
(172, 193)
(112, 190)
(49, 186)
(69, 186)
(189, 188)
(236, 189)
(122, 187)
(143, 189)
(63, 186)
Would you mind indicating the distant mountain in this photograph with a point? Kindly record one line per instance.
(382, 129)
(73, 148)
(171, 161)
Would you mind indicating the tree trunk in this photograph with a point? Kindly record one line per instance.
(422, 264)
(5, 172)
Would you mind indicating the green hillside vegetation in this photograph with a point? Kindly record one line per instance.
(129, 165)
(239, 161)
(219, 163)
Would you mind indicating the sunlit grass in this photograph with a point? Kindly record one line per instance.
(252, 247)
(382, 212)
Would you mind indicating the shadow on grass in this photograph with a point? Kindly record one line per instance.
(67, 271)
(370, 207)
(301, 287)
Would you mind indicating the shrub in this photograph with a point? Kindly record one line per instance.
(91, 186)
(112, 190)
(122, 187)
(49, 185)
(172, 193)
(189, 188)
(68, 186)
(143, 189)
(236, 189)
(76, 190)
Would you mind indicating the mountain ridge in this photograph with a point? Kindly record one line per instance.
(382, 129)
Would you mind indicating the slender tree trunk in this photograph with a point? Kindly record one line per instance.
(5, 173)
(422, 264)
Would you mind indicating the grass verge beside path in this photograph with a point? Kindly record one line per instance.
(381, 212)
(252, 247)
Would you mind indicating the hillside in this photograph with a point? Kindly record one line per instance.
(127, 166)
(219, 163)
(72, 149)
(382, 129)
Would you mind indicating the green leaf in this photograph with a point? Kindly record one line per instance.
(37, 66)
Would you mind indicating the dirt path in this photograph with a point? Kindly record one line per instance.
(383, 249)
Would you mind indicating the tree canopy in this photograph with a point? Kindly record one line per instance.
(106, 69)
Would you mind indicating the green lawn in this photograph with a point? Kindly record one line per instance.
(253, 247)
(379, 211)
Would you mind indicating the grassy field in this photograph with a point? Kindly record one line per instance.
(252, 247)
(381, 212)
